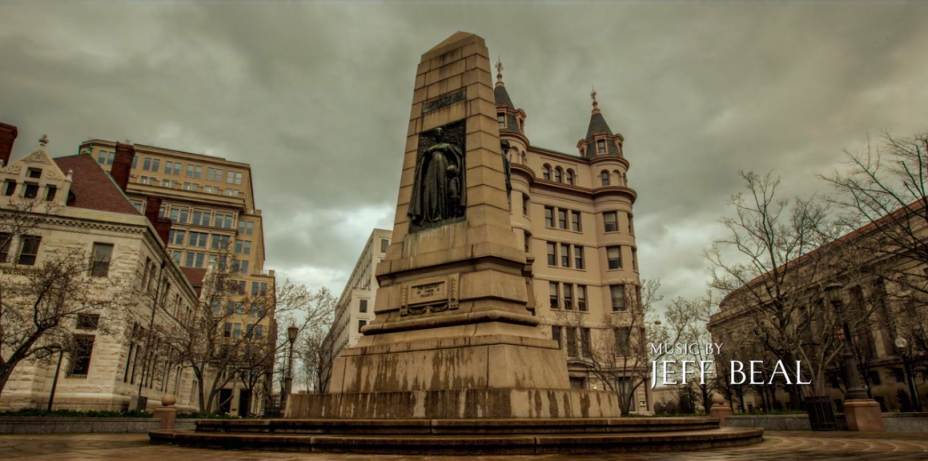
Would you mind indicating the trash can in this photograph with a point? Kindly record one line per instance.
(821, 413)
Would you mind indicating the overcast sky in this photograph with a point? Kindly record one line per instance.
(315, 96)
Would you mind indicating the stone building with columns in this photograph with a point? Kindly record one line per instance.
(81, 207)
(573, 214)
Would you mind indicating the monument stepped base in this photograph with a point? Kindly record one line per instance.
(450, 404)
(463, 436)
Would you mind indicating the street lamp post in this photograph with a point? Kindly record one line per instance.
(852, 378)
(288, 380)
(901, 344)
(861, 412)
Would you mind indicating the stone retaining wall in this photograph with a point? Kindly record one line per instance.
(52, 425)
(895, 422)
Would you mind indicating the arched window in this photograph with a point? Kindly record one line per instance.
(558, 174)
(546, 172)
(570, 177)
(605, 176)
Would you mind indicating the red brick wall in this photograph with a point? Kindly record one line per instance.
(8, 135)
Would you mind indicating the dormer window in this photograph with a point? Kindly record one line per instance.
(601, 146)
(50, 193)
(10, 188)
(501, 119)
(35, 173)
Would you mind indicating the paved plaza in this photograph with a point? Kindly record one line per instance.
(799, 446)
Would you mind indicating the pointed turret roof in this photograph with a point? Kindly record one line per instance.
(502, 96)
(597, 121)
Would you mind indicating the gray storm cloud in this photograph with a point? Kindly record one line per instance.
(315, 96)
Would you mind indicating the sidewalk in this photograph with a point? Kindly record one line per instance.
(802, 446)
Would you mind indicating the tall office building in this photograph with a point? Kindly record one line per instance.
(211, 202)
(355, 307)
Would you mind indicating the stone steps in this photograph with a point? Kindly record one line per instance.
(464, 437)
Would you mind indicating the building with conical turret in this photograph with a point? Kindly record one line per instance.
(573, 214)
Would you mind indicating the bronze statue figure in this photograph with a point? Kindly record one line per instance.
(439, 181)
(504, 149)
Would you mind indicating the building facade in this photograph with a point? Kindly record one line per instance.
(573, 214)
(211, 204)
(78, 207)
(884, 299)
(355, 307)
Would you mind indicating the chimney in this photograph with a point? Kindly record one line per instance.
(122, 165)
(8, 135)
(164, 229)
(152, 208)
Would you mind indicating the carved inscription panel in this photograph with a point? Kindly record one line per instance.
(434, 294)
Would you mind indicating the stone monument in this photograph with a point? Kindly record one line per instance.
(455, 334)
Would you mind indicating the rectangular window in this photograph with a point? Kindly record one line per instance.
(263, 288)
(102, 252)
(254, 288)
(155, 164)
(549, 216)
(211, 173)
(177, 166)
(601, 146)
(384, 243)
(197, 239)
(146, 164)
(614, 255)
(197, 171)
(572, 341)
(102, 158)
(259, 331)
(220, 242)
(562, 219)
(557, 336)
(34, 173)
(528, 241)
(363, 306)
(176, 255)
(618, 297)
(552, 256)
(238, 178)
(176, 237)
(524, 205)
(135, 162)
(111, 156)
(88, 321)
(631, 225)
(248, 228)
(610, 220)
(29, 249)
(565, 255)
(575, 221)
(568, 296)
(236, 330)
(634, 259)
(586, 346)
(243, 265)
(622, 341)
(231, 177)
(581, 298)
(555, 299)
(10, 188)
(189, 173)
(50, 193)
(578, 257)
(32, 191)
(5, 239)
(80, 356)
(168, 167)
(361, 324)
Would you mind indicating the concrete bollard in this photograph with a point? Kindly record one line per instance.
(166, 412)
(719, 409)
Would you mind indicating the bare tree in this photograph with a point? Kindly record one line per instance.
(618, 350)
(41, 305)
(785, 254)
(313, 356)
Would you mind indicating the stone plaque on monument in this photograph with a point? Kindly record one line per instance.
(455, 335)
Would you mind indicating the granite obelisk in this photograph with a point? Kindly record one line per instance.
(455, 334)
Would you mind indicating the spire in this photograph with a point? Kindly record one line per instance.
(502, 96)
(597, 121)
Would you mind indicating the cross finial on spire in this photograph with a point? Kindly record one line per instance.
(43, 140)
(499, 71)
(593, 96)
